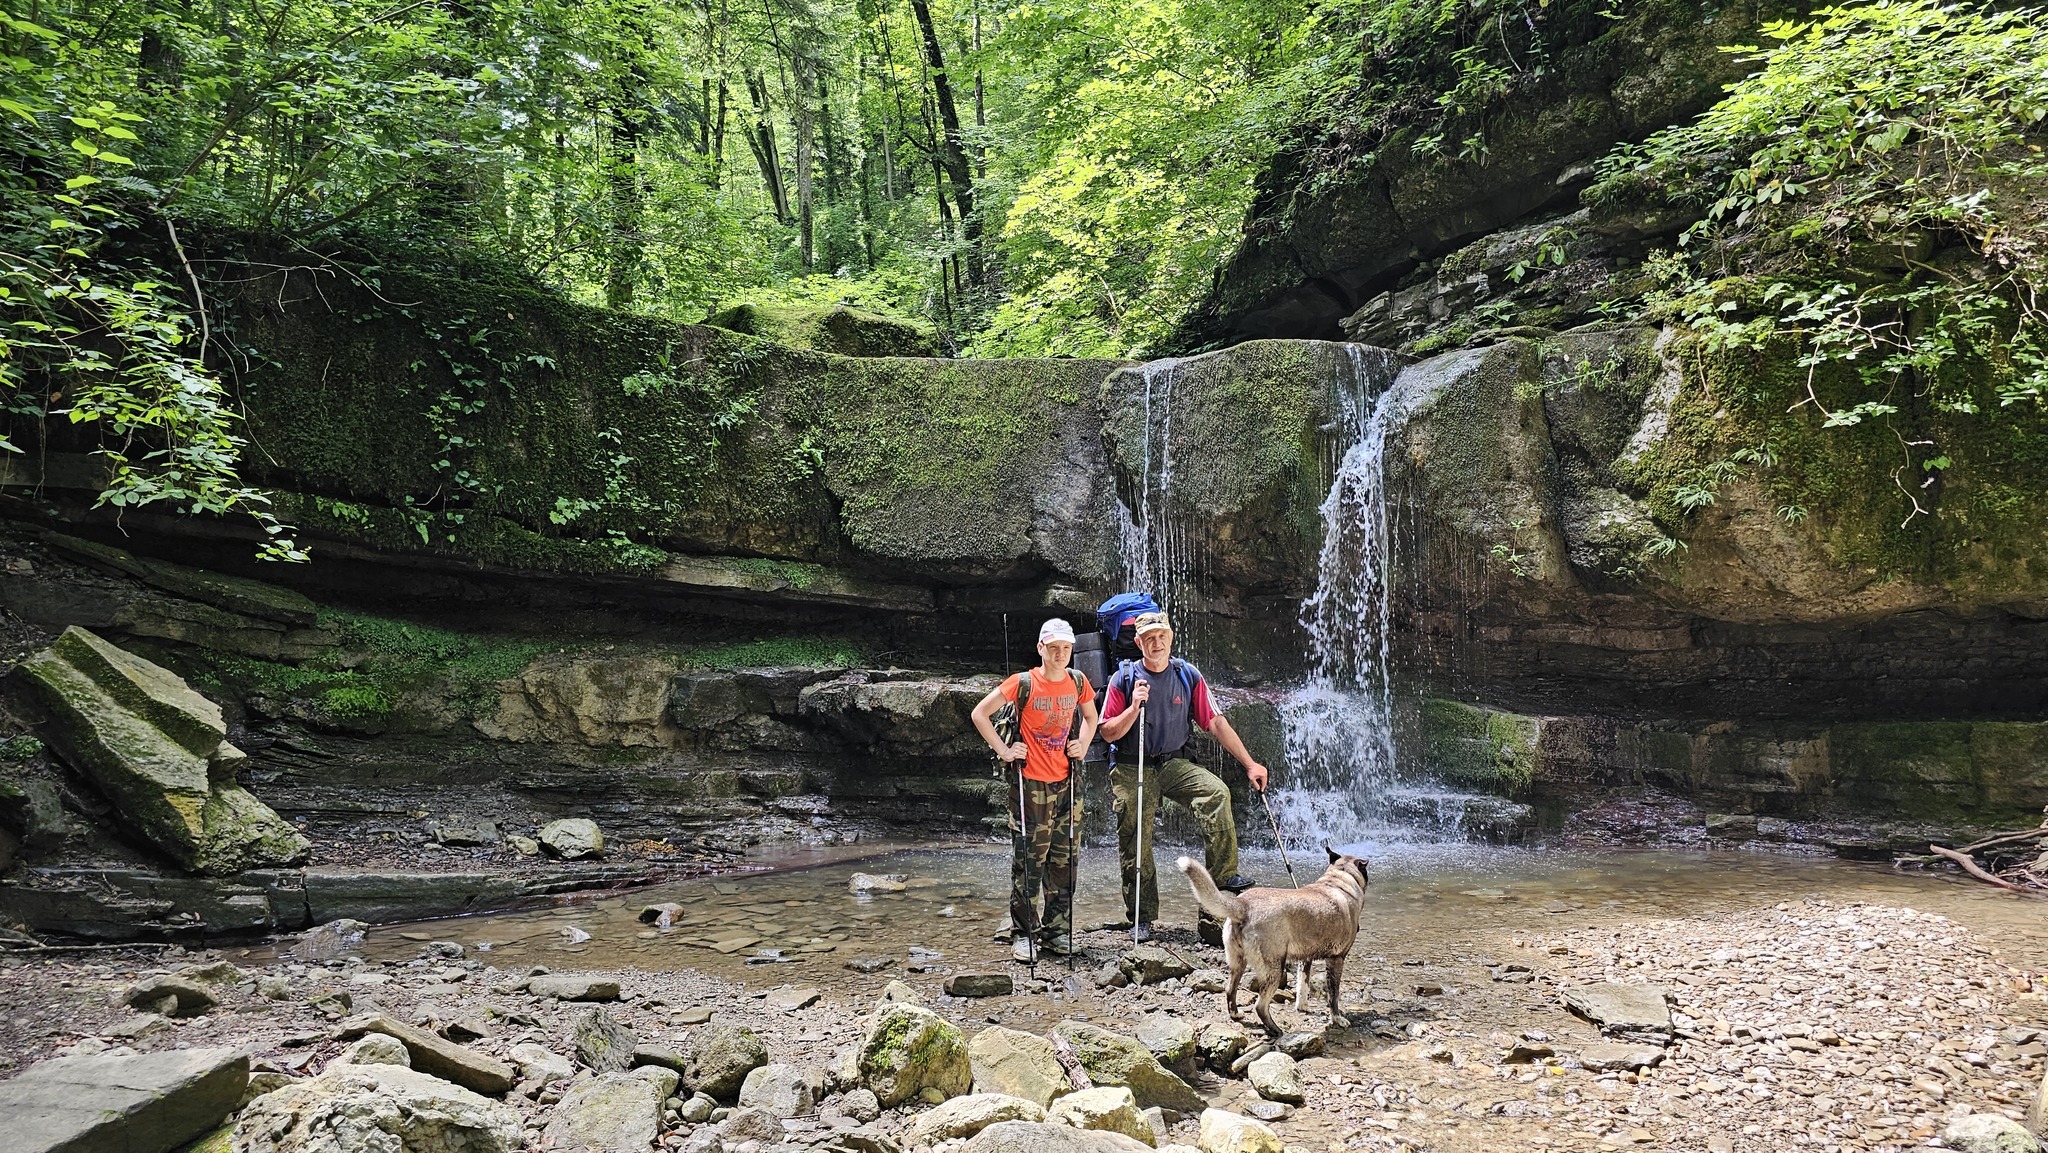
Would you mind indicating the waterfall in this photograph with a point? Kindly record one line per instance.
(1156, 553)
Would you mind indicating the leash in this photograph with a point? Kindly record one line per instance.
(1277, 839)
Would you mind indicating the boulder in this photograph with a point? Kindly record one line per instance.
(602, 1043)
(435, 1056)
(156, 749)
(783, 1090)
(908, 1049)
(966, 1116)
(1989, 1133)
(134, 1103)
(1235, 1133)
(900, 993)
(611, 1113)
(1045, 1137)
(383, 1107)
(1622, 1010)
(572, 838)
(172, 996)
(979, 985)
(540, 1065)
(1221, 1042)
(721, 1056)
(1110, 1109)
(1170, 1039)
(567, 987)
(1113, 1059)
(1150, 964)
(861, 1104)
(1605, 1056)
(375, 1049)
(1018, 1064)
(750, 1124)
(1277, 1079)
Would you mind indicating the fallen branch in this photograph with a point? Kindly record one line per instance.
(1971, 867)
(2004, 839)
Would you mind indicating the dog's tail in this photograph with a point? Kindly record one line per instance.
(1214, 901)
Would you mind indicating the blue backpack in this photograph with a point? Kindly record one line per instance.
(1116, 614)
(1125, 676)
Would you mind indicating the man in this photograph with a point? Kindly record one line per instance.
(1174, 697)
(1044, 812)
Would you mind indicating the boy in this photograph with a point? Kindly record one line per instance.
(1044, 812)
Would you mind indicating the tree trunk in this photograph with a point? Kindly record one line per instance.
(623, 173)
(761, 139)
(952, 157)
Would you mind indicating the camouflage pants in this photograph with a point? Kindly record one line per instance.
(1042, 857)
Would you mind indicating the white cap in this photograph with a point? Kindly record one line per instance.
(1056, 630)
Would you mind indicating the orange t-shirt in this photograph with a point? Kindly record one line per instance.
(1048, 721)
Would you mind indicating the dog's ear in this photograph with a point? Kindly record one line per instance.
(1335, 856)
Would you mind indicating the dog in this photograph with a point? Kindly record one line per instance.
(1266, 929)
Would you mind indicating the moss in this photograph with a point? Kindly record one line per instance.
(834, 328)
(775, 652)
(1480, 748)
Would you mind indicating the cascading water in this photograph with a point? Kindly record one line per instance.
(1156, 553)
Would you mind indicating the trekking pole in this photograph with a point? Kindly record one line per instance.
(1138, 861)
(1073, 856)
(1275, 822)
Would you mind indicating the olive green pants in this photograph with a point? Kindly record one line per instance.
(1193, 786)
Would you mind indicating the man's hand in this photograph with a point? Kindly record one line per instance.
(1016, 752)
(1257, 772)
(1077, 749)
(1141, 689)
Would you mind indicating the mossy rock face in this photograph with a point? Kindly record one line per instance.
(1249, 437)
(130, 726)
(908, 1049)
(1478, 748)
(1113, 1059)
(837, 328)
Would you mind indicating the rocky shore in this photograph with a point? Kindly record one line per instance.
(1800, 1024)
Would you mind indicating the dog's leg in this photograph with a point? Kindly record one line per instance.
(1267, 977)
(1301, 987)
(1233, 955)
(1333, 972)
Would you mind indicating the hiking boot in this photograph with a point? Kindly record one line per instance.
(1142, 933)
(1024, 949)
(1059, 945)
(1237, 883)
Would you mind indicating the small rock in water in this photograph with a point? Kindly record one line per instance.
(877, 883)
(663, 916)
(331, 940)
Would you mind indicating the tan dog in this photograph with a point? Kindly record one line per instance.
(1269, 928)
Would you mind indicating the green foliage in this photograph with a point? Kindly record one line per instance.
(1868, 198)
(815, 651)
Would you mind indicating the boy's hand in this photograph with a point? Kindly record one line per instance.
(1016, 752)
(1077, 749)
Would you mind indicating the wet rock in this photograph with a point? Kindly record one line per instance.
(1235, 1133)
(170, 996)
(751, 1125)
(791, 999)
(1989, 1133)
(1113, 1059)
(602, 1044)
(1045, 1137)
(572, 838)
(540, 1065)
(1016, 1063)
(156, 749)
(665, 915)
(1606, 1056)
(133, 1103)
(877, 883)
(1299, 1045)
(375, 1049)
(1277, 1079)
(326, 942)
(861, 1104)
(565, 987)
(966, 1116)
(908, 1049)
(1150, 964)
(364, 1107)
(1170, 1039)
(783, 1090)
(1221, 1042)
(721, 1056)
(1622, 1010)
(1108, 1109)
(979, 985)
(612, 1113)
(477, 1072)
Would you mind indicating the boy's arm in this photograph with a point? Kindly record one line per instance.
(1090, 719)
(982, 715)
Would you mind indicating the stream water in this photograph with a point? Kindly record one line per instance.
(803, 924)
